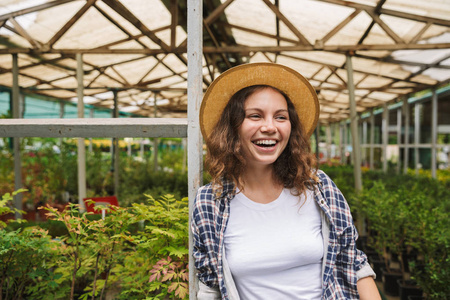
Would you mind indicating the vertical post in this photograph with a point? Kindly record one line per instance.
(417, 109)
(183, 167)
(91, 115)
(406, 112)
(328, 130)
(354, 125)
(141, 148)
(385, 135)
(61, 116)
(364, 142)
(195, 141)
(345, 141)
(16, 141)
(316, 137)
(116, 154)
(399, 138)
(434, 123)
(81, 145)
(341, 142)
(372, 139)
(155, 140)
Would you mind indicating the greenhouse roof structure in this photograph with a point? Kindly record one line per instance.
(136, 49)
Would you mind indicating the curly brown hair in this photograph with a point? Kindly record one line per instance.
(293, 168)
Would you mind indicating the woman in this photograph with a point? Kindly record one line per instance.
(269, 226)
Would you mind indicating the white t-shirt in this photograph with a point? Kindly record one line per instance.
(275, 250)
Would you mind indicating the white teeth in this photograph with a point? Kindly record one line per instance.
(266, 142)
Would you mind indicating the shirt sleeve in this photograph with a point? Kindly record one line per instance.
(340, 212)
(202, 227)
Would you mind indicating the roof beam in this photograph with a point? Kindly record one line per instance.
(240, 49)
(174, 23)
(286, 22)
(22, 32)
(32, 9)
(126, 14)
(390, 12)
(69, 24)
(336, 29)
(385, 27)
(217, 12)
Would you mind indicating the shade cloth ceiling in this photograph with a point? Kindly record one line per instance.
(137, 48)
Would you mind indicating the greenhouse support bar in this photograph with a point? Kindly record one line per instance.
(81, 147)
(195, 141)
(98, 127)
(354, 125)
(372, 139)
(434, 121)
(406, 110)
(16, 141)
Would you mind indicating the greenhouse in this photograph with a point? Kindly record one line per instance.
(100, 103)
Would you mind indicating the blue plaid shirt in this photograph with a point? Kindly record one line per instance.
(343, 260)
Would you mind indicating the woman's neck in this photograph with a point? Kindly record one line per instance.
(260, 185)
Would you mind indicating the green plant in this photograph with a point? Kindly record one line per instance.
(161, 248)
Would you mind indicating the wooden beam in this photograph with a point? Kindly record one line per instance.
(420, 33)
(286, 22)
(69, 24)
(97, 127)
(261, 33)
(338, 27)
(390, 12)
(130, 17)
(217, 12)
(32, 9)
(174, 23)
(22, 32)
(240, 49)
(386, 28)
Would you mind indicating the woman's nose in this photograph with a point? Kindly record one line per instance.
(268, 127)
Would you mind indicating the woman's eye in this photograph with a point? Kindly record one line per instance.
(254, 116)
(281, 118)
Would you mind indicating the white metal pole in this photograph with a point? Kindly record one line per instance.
(91, 115)
(155, 140)
(328, 132)
(195, 141)
(16, 141)
(434, 123)
(341, 142)
(372, 139)
(81, 145)
(406, 112)
(116, 149)
(385, 135)
(345, 141)
(399, 137)
(364, 142)
(354, 126)
(417, 109)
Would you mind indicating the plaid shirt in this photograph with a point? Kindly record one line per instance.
(343, 260)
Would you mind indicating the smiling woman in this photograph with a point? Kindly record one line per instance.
(270, 226)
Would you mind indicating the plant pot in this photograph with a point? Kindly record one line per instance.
(390, 284)
(377, 265)
(408, 288)
(416, 298)
(30, 216)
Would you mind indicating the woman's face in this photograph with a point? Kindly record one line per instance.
(266, 128)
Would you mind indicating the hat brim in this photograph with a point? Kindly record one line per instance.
(294, 85)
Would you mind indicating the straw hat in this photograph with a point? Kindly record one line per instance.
(294, 85)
